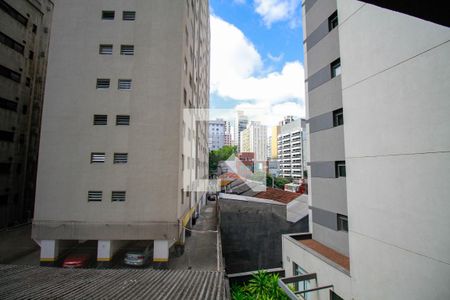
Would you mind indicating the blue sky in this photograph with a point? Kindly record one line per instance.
(257, 58)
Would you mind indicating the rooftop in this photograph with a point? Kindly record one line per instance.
(32, 282)
(278, 195)
(327, 252)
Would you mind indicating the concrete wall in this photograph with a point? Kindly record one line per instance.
(251, 234)
(396, 104)
(153, 177)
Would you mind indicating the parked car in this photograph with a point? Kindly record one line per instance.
(78, 260)
(138, 257)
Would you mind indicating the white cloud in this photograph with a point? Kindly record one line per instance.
(273, 11)
(235, 65)
(275, 58)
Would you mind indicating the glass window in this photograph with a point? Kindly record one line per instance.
(108, 15)
(333, 21)
(340, 169)
(336, 68)
(342, 222)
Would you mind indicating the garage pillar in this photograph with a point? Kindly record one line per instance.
(49, 252)
(106, 250)
(161, 254)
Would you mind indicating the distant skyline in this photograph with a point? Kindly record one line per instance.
(257, 58)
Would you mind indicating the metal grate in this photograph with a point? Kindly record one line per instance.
(100, 119)
(118, 196)
(103, 83)
(97, 157)
(129, 15)
(127, 49)
(95, 195)
(120, 158)
(122, 120)
(108, 15)
(106, 49)
(124, 84)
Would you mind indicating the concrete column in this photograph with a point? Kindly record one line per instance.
(49, 252)
(160, 253)
(106, 250)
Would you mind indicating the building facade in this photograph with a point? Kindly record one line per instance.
(378, 185)
(290, 148)
(118, 158)
(254, 139)
(24, 38)
(217, 132)
(240, 123)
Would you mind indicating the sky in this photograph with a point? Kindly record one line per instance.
(257, 59)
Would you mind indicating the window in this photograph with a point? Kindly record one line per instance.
(13, 13)
(118, 196)
(338, 117)
(120, 158)
(122, 120)
(100, 119)
(333, 21)
(129, 15)
(106, 49)
(334, 296)
(95, 196)
(8, 104)
(6, 40)
(336, 68)
(103, 83)
(6, 136)
(127, 50)
(97, 157)
(34, 28)
(340, 169)
(108, 15)
(301, 285)
(31, 55)
(10, 74)
(124, 84)
(342, 222)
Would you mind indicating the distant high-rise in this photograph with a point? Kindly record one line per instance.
(216, 134)
(118, 160)
(290, 148)
(240, 123)
(25, 28)
(254, 139)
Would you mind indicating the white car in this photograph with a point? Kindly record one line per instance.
(138, 257)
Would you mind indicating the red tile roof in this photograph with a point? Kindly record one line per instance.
(277, 195)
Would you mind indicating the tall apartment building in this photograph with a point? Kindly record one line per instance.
(118, 160)
(290, 148)
(217, 133)
(378, 185)
(254, 139)
(274, 142)
(240, 123)
(227, 137)
(24, 38)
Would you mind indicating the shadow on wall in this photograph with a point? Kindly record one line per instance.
(251, 234)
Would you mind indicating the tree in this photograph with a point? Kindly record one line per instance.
(222, 154)
(279, 182)
(261, 286)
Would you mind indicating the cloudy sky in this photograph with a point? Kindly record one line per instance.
(257, 58)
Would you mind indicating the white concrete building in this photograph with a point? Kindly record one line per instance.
(217, 132)
(254, 139)
(378, 184)
(117, 159)
(290, 148)
(240, 123)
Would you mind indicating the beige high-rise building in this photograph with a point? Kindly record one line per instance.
(24, 38)
(274, 142)
(254, 139)
(118, 161)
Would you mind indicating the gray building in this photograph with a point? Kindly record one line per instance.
(240, 124)
(118, 159)
(290, 148)
(378, 185)
(24, 38)
(217, 134)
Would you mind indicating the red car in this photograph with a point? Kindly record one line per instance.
(78, 260)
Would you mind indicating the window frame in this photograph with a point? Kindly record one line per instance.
(333, 21)
(127, 51)
(96, 157)
(100, 120)
(124, 84)
(119, 158)
(342, 222)
(338, 117)
(118, 196)
(120, 120)
(95, 196)
(102, 47)
(338, 169)
(335, 68)
(129, 15)
(100, 86)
